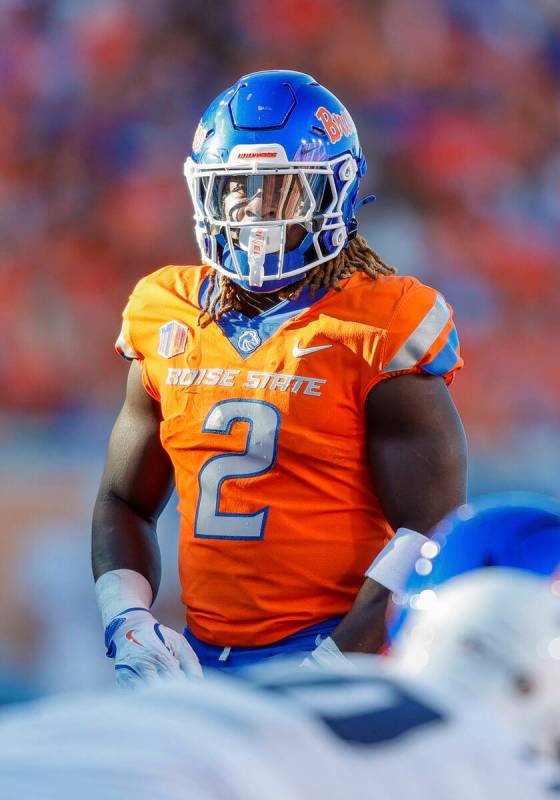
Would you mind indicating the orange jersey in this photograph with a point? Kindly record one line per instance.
(279, 515)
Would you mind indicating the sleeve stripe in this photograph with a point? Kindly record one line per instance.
(124, 349)
(444, 361)
(422, 338)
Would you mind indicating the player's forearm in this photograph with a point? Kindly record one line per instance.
(363, 628)
(123, 539)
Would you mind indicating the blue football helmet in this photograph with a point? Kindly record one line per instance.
(510, 529)
(274, 175)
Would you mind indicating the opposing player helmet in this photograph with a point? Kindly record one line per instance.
(493, 634)
(274, 175)
(509, 529)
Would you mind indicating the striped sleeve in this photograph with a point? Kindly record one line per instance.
(123, 344)
(421, 338)
(448, 359)
(132, 318)
(136, 332)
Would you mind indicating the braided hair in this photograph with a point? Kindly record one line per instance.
(357, 257)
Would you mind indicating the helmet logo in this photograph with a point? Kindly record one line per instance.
(199, 137)
(336, 125)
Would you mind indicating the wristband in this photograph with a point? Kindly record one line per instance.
(392, 566)
(121, 589)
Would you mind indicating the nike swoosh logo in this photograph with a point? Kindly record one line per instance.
(130, 637)
(298, 351)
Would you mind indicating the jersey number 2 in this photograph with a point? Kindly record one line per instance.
(258, 457)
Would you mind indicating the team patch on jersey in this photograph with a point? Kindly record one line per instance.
(172, 339)
(248, 341)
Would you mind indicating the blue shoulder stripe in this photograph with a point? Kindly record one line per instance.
(447, 357)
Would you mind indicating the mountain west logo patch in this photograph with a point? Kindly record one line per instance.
(172, 339)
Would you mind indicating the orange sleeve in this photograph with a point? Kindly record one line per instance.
(421, 338)
(132, 340)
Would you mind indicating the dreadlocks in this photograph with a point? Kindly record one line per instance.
(358, 257)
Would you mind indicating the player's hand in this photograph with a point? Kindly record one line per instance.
(147, 652)
(326, 656)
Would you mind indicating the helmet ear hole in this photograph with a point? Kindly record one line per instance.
(347, 170)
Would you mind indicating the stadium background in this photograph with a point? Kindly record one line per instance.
(456, 103)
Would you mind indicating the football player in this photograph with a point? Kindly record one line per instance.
(293, 387)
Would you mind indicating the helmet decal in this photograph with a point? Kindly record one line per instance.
(336, 125)
(199, 137)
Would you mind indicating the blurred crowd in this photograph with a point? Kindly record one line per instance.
(456, 103)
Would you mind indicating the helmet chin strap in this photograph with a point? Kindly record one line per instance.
(258, 241)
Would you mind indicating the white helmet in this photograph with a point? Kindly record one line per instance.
(492, 634)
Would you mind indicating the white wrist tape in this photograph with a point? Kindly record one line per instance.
(120, 589)
(392, 566)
